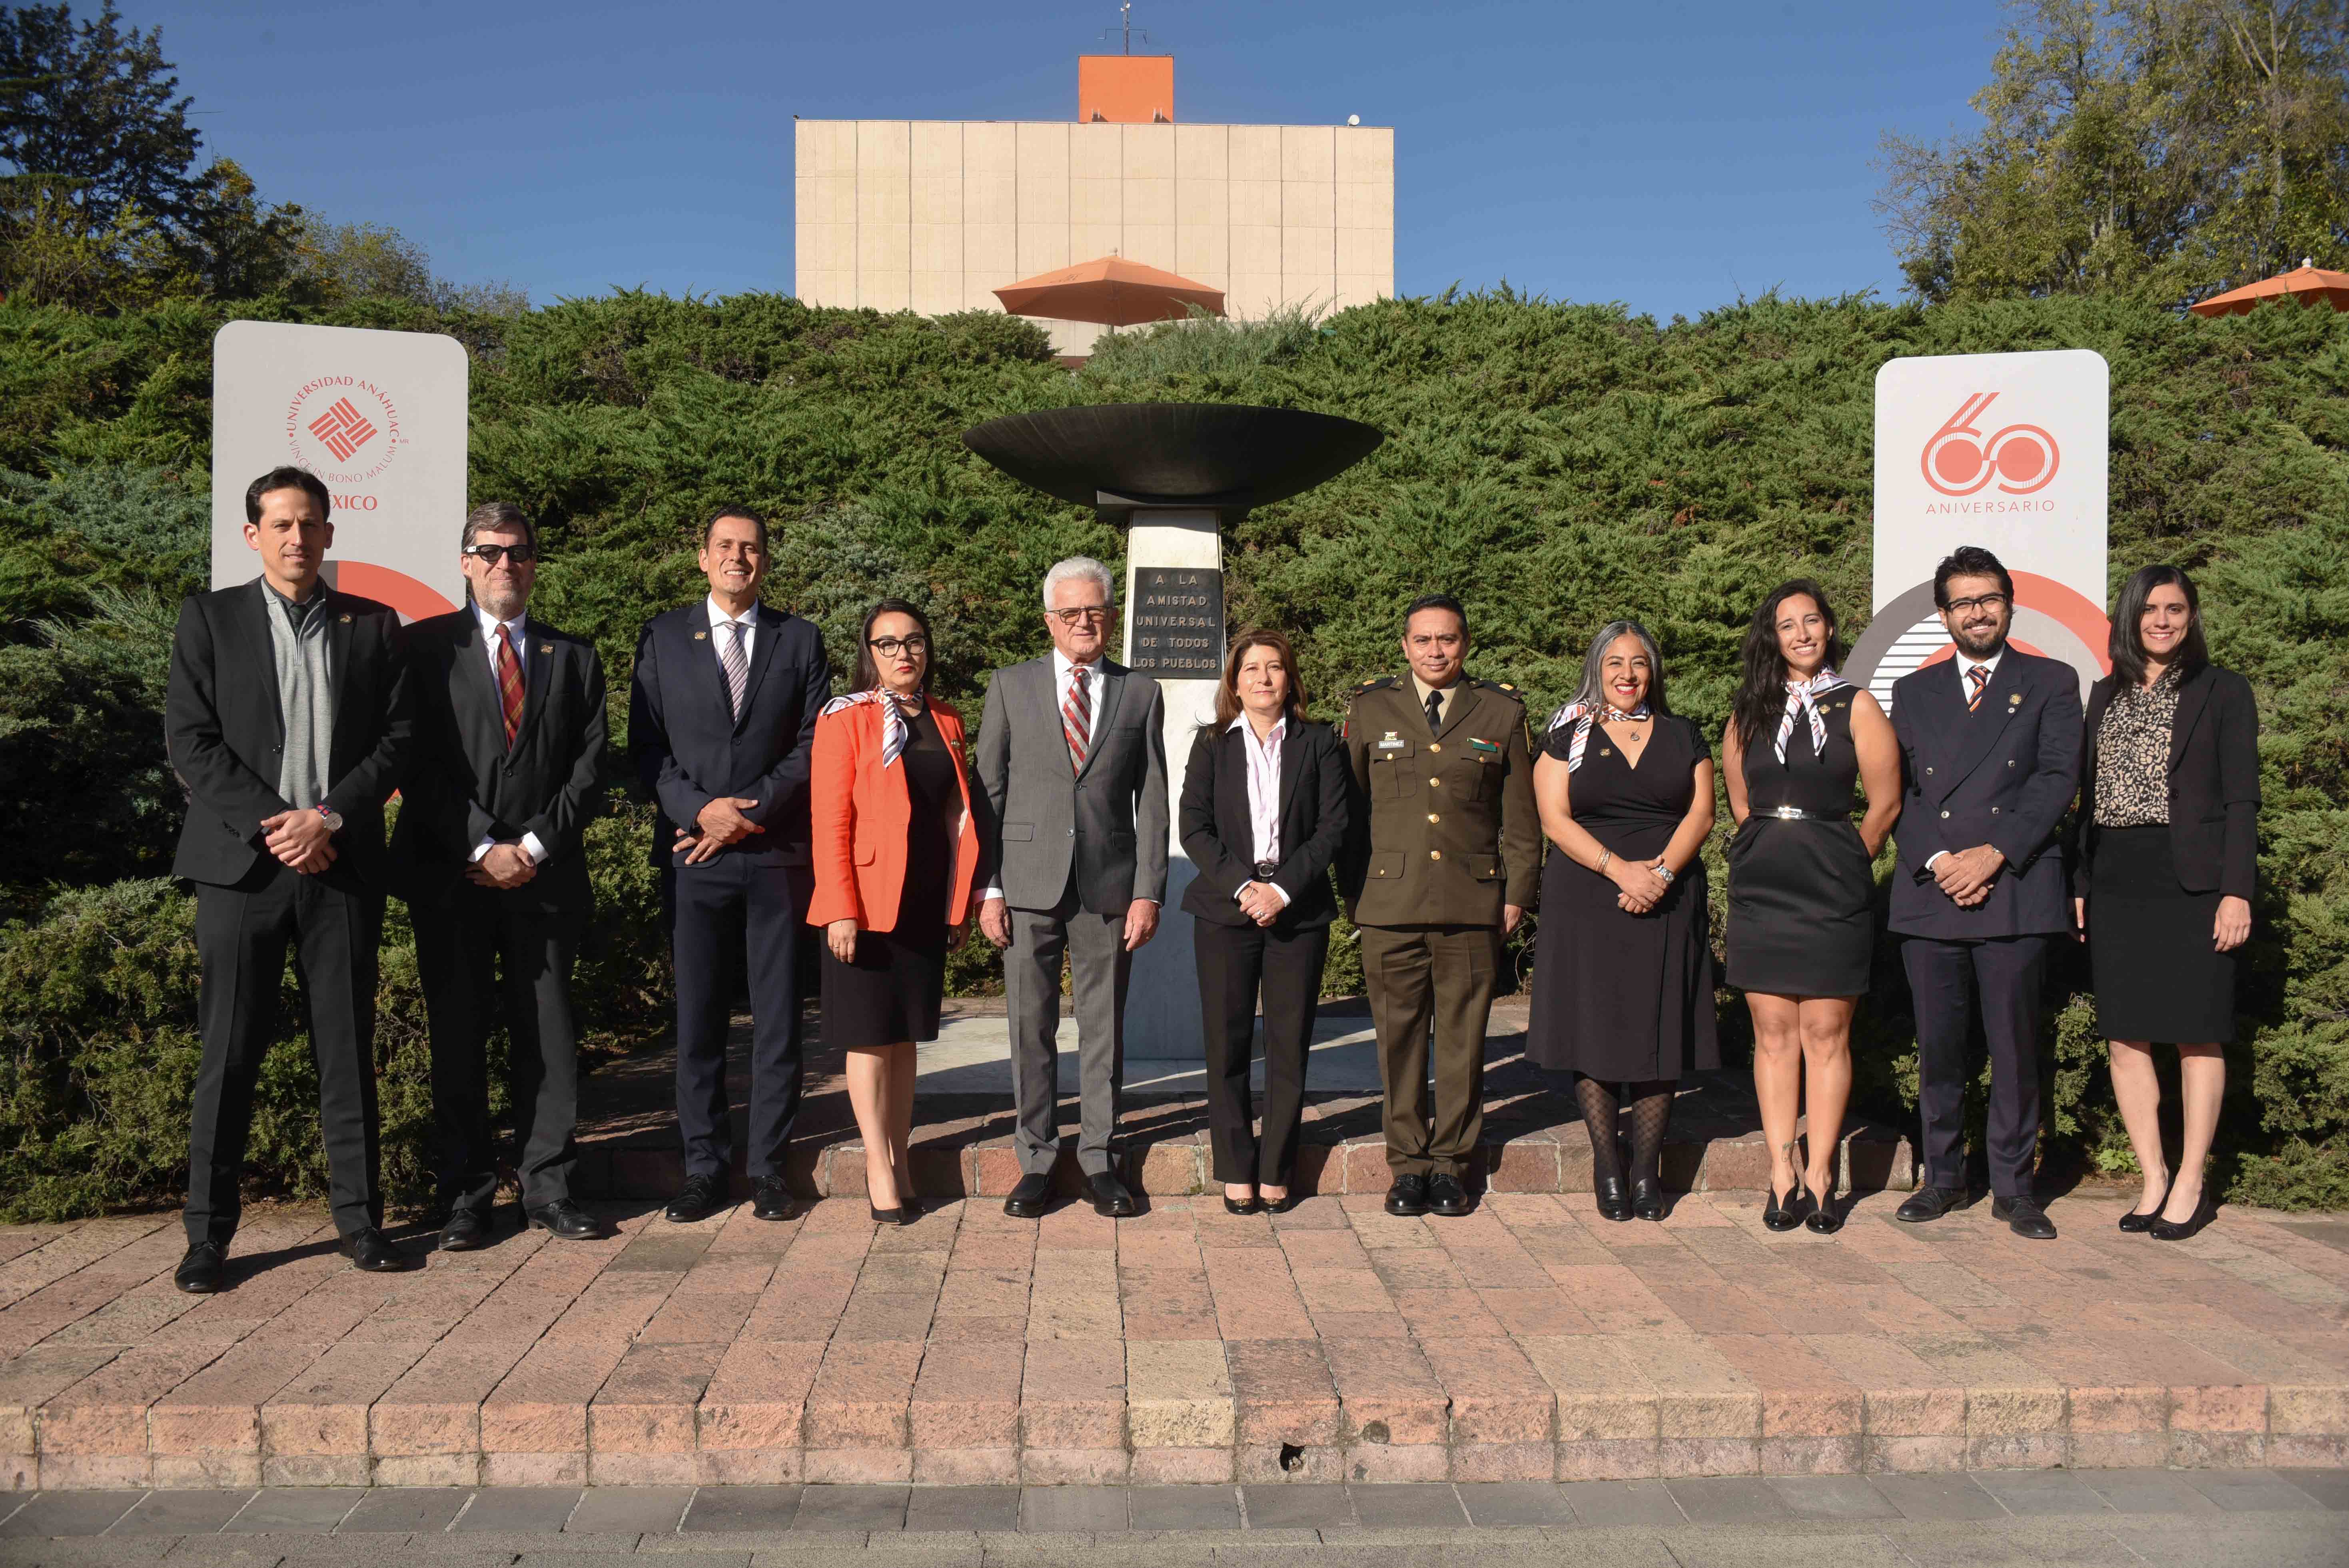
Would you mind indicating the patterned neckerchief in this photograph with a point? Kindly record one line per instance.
(1802, 697)
(1582, 716)
(894, 732)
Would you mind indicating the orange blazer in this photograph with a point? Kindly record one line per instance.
(859, 815)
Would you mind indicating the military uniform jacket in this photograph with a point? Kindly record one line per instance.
(1445, 830)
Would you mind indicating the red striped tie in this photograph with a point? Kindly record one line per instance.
(1077, 718)
(509, 682)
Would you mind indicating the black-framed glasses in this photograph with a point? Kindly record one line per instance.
(890, 647)
(1082, 615)
(1986, 602)
(490, 554)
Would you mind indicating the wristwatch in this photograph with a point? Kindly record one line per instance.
(1663, 871)
(334, 818)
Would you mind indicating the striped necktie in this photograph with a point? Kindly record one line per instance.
(1978, 676)
(509, 682)
(738, 668)
(1077, 718)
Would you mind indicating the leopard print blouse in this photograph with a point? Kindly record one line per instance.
(2133, 755)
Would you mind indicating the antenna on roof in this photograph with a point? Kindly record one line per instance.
(1125, 19)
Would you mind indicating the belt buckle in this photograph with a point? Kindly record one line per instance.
(1788, 814)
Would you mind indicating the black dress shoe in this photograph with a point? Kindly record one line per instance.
(771, 1199)
(1783, 1213)
(1112, 1199)
(564, 1221)
(1823, 1220)
(1251, 1204)
(1029, 1197)
(1931, 1203)
(2025, 1217)
(1607, 1191)
(1446, 1196)
(2205, 1211)
(465, 1231)
(1282, 1205)
(1647, 1198)
(700, 1196)
(205, 1270)
(1407, 1199)
(2135, 1223)
(372, 1250)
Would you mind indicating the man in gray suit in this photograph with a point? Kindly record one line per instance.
(1072, 756)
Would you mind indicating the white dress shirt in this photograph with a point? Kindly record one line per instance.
(1094, 680)
(1964, 663)
(748, 620)
(492, 631)
(1263, 794)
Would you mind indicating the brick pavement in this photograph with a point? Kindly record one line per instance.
(1530, 1341)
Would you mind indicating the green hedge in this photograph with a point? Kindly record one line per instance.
(1556, 465)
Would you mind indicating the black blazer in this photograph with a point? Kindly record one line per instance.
(2001, 775)
(1220, 840)
(225, 731)
(688, 749)
(466, 785)
(2214, 784)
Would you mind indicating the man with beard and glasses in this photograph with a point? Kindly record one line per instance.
(1989, 744)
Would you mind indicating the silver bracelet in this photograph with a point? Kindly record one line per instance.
(1604, 856)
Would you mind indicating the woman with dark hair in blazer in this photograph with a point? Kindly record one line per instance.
(897, 846)
(2169, 805)
(1264, 810)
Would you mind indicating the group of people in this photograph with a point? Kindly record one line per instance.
(296, 711)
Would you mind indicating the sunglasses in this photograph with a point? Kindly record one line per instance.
(490, 554)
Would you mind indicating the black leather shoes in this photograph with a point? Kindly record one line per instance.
(1251, 1204)
(1029, 1197)
(2025, 1217)
(564, 1220)
(465, 1232)
(1931, 1203)
(700, 1196)
(1112, 1199)
(2206, 1208)
(205, 1270)
(1647, 1198)
(771, 1199)
(372, 1250)
(2135, 1223)
(1407, 1199)
(1607, 1193)
(1783, 1214)
(1446, 1196)
(1824, 1220)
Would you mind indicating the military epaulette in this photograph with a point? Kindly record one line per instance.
(1504, 688)
(1377, 683)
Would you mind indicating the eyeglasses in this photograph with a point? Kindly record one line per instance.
(1966, 606)
(490, 554)
(1082, 615)
(890, 647)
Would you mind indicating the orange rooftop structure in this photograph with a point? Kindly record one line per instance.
(1125, 89)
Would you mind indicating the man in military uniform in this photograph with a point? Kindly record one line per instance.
(1439, 868)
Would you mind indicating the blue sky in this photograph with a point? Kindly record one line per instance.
(1668, 153)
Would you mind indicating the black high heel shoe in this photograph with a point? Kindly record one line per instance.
(1251, 1204)
(2135, 1223)
(903, 1214)
(1607, 1191)
(1646, 1197)
(2205, 1211)
(1783, 1213)
(1823, 1220)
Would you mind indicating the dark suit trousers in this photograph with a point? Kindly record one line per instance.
(1944, 977)
(1439, 978)
(241, 935)
(483, 953)
(735, 918)
(1233, 960)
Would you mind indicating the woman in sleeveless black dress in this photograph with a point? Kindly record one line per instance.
(1801, 880)
(1622, 988)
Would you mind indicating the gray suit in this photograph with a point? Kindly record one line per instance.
(1077, 847)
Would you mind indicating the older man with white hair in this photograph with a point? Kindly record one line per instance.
(1071, 755)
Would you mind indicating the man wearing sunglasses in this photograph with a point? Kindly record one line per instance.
(1073, 759)
(1990, 747)
(510, 744)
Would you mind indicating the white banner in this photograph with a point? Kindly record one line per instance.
(380, 416)
(2007, 451)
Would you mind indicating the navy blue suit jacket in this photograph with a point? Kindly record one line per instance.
(2001, 775)
(690, 749)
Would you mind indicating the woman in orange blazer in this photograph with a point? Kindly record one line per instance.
(897, 841)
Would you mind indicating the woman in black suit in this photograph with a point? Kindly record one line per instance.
(2169, 805)
(1264, 810)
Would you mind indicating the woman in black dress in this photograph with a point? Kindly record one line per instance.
(896, 851)
(1623, 968)
(2169, 806)
(1802, 924)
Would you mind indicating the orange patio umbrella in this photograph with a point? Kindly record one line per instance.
(1110, 291)
(2310, 284)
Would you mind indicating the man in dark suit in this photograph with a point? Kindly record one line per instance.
(287, 721)
(510, 741)
(1072, 755)
(1990, 746)
(720, 720)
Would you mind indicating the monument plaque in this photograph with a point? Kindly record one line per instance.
(1178, 621)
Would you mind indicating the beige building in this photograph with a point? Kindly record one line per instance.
(932, 216)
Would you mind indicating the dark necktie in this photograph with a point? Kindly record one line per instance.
(1978, 676)
(1077, 716)
(1434, 712)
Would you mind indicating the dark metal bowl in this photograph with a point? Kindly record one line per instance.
(1218, 454)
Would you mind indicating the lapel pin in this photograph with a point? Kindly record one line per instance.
(546, 648)
(1605, 752)
(701, 636)
(347, 618)
(2015, 699)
